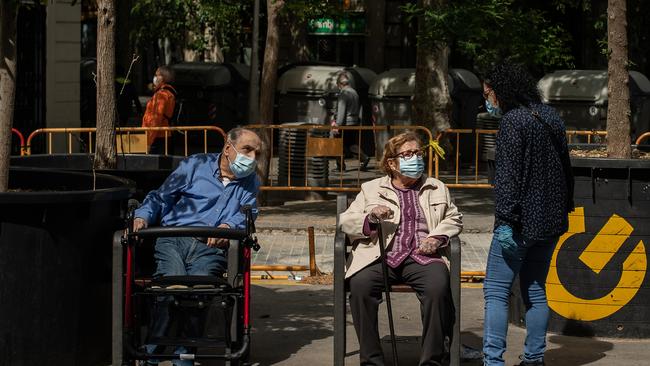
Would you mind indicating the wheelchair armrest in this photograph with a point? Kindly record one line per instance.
(235, 263)
(190, 231)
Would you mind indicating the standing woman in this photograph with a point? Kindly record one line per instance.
(533, 195)
(417, 217)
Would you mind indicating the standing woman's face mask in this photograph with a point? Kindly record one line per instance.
(491, 102)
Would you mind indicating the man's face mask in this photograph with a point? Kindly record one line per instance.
(242, 166)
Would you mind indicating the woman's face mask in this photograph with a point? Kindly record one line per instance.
(492, 110)
(242, 166)
(412, 167)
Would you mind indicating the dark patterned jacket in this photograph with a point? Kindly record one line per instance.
(532, 193)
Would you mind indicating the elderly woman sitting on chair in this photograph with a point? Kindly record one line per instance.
(417, 217)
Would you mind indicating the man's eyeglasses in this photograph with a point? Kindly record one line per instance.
(409, 153)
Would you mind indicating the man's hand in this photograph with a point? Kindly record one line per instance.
(219, 242)
(335, 131)
(428, 246)
(139, 223)
(380, 212)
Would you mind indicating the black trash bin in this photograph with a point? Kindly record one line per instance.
(580, 96)
(209, 94)
(391, 97)
(56, 231)
(308, 94)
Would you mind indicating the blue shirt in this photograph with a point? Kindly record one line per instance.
(193, 195)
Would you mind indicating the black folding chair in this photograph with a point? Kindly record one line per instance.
(342, 248)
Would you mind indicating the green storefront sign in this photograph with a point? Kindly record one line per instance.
(343, 26)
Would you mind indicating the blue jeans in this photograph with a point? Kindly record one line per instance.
(531, 260)
(181, 257)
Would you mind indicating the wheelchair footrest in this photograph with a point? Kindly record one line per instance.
(170, 285)
(189, 342)
(190, 281)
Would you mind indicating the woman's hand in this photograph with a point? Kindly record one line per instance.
(379, 213)
(428, 246)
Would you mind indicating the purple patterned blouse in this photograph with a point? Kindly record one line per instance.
(412, 229)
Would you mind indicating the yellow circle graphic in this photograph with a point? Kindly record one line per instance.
(596, 255)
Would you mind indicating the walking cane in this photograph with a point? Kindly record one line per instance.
(384, 268)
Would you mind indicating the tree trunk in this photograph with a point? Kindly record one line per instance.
(299, 50)
(254, 79)
(105, 153)
(618, 111)
(269, 76)
(432, 102)
(214, 52)
(8, 14)
(376, 40)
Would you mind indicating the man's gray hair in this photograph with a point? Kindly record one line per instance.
(343, 79)
(234, 134)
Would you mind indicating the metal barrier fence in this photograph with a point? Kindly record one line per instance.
(21, 138)
(333, 147)
(129, 139)
(330, 148)
(642, 138)
(133, 140)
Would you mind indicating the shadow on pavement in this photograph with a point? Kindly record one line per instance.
(590, 350)
(474, 201)
(286, 319)
(572, 351)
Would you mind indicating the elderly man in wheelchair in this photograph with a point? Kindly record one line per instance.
(208, 195)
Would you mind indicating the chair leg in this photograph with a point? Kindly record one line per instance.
(339, 312)
(455, 294)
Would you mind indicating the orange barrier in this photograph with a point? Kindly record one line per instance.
(329, 147)
(131, 144)
(642, 138)
(23, 149)
(130, 140)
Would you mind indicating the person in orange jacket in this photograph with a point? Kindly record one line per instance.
(160, 109)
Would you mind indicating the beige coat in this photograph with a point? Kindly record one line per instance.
(441, 214)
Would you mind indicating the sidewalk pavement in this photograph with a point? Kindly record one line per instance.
(293, 326)
(293, 323)
(282, 231)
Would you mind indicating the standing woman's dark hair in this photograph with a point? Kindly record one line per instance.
(513, 86)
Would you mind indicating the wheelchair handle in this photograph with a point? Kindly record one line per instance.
(190, 231)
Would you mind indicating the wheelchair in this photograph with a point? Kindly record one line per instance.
(219, 307)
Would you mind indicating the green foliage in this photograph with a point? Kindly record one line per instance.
(488, 30)
(173, 19)
(301, 11)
